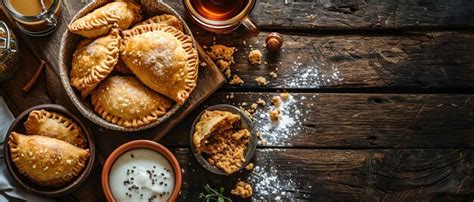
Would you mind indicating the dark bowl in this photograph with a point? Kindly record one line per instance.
(30, 186)
(246, 123)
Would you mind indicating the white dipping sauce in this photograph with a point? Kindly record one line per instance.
(141, 175)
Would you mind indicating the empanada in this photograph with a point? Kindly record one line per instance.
(163, 58)
(93, 61)
(46, 161)
(212, 122)
(166, 19)
(100, 21)
(125, 101)
(122, 68)
(54, 125)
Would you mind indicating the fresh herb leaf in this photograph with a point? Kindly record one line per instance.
(220, 199)
(210, 194)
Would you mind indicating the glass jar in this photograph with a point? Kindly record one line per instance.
(9, 52)
(34, 17)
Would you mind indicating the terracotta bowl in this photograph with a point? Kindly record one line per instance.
(142, 144)
(246, 122)
(30, 186)
(68, 45)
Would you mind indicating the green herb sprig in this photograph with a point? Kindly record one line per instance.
(211, 194)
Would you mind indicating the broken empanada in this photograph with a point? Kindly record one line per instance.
(54, 125)
(166, 19)
(212, 122)
(93, 61)
(163, 58)
(100, 21)
(125, 101)
(46, 161)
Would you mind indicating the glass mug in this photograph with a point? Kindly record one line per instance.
(34, 17)
(221, 16)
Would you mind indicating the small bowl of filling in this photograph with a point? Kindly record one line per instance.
(141, 170)
(223, 139)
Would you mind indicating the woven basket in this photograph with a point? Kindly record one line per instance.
(68, 45)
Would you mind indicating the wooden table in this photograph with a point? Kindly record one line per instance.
(381, 105)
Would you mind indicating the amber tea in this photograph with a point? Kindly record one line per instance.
(34, 17)
(219, 9)
(221, 16)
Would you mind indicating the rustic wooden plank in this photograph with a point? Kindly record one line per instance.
(307, 174)
(414, 60)
(360, 14)
(423, 175)
(353, 120)
(321, 174)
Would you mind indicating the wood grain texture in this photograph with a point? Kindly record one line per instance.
(353, 120)
(360, 14)
(419, 60)
(308, 174)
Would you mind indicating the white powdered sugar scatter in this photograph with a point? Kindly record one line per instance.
(278, 132)
(271, 182)
(314, 75)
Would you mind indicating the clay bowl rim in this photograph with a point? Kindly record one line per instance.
(246, 123)
(87, 110)
(23, 181)
(141, 144)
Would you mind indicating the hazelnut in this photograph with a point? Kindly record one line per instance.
(274, 41)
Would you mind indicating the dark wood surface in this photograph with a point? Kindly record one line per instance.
(381, 105)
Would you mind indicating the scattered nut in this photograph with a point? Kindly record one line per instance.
(274, 41)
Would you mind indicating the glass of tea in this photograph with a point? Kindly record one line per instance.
(221, 16)
(34, 17)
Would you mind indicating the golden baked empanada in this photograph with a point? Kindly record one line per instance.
(100, 21)
(125, 101)
(166, 19)
(163, 58)
(93, 61)
(54, 125)
(122, 68)
(46, 161)
(212, 122)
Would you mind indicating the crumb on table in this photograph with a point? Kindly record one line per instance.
(255, 57)
(285, 95)
(276, 100)
(249, 167)
(242, 189)
(219, 51)
(261, 81)
(236, 80)
(275, 115)
(223, 56)
(261, 102)
(273, 75)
